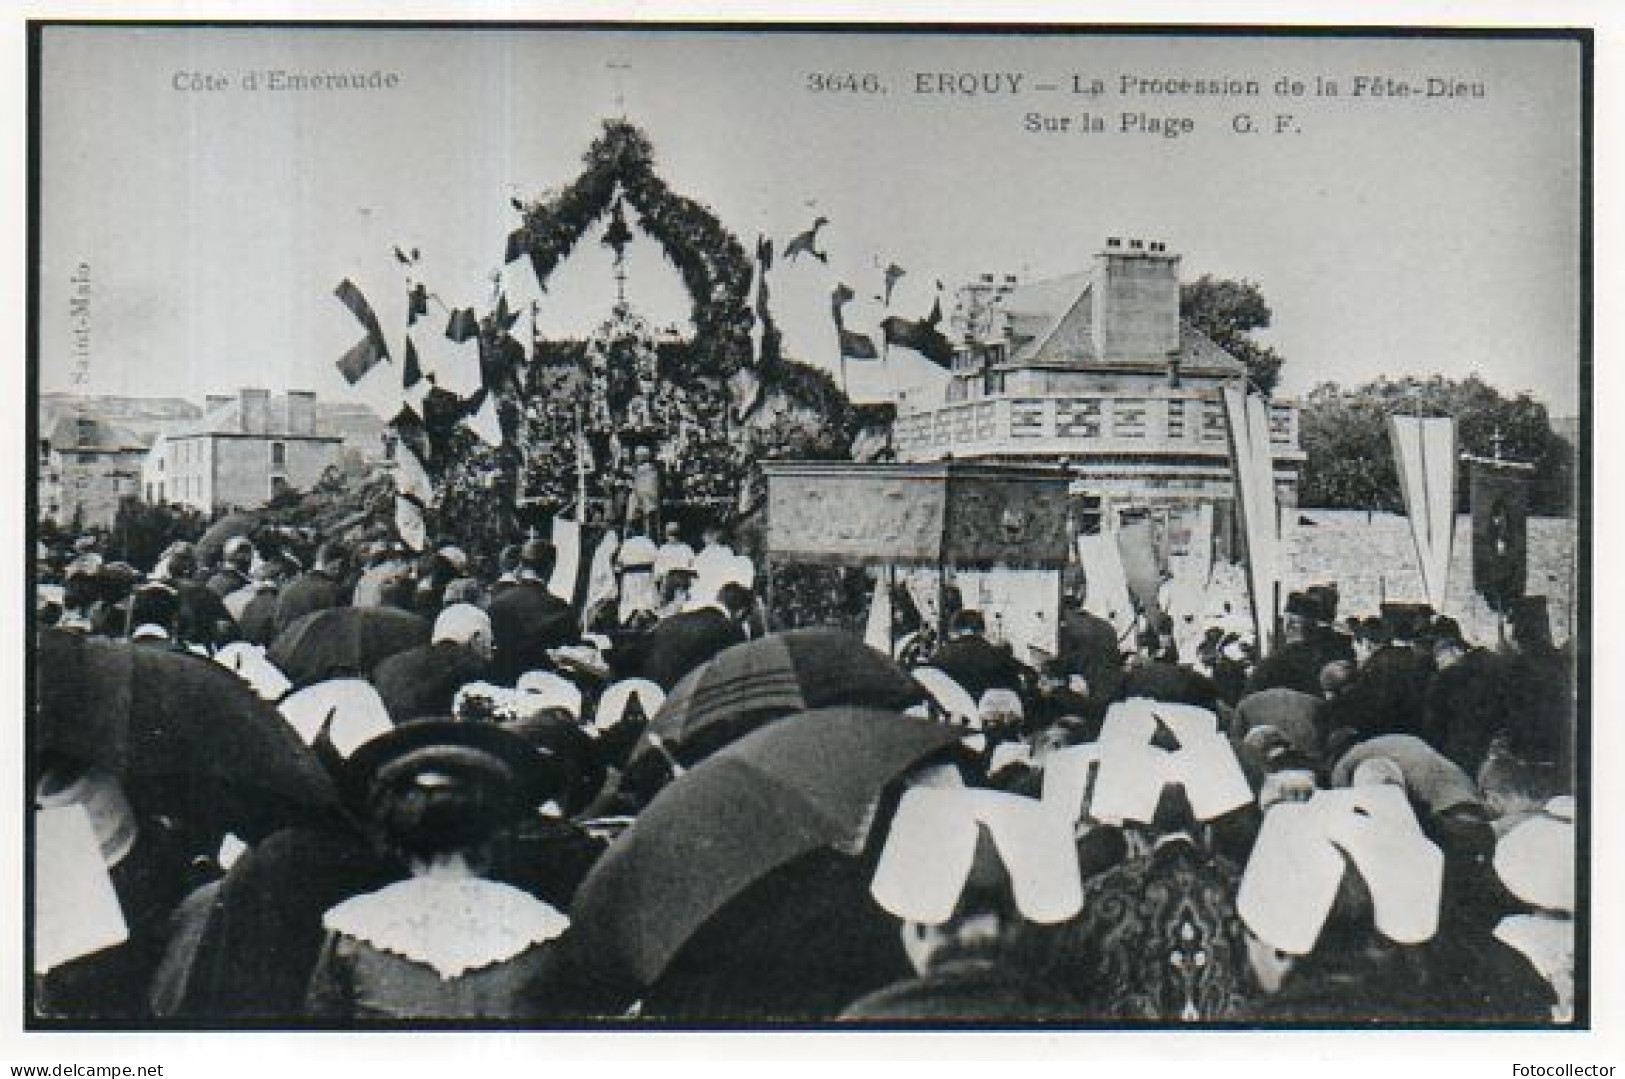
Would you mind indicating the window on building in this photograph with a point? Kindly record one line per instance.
(1128, 419)
(389, 448)
(279, 455)
(279, 484)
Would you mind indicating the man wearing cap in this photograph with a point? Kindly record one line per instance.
(680, 643)
(1087, 643)
(1390, 694)
(321, 588)
(1468, 700)
(527, 619)
(387, 579)
(202, 617)
(973, 661)
(254, 607)
(235, 562)
(1307, 646)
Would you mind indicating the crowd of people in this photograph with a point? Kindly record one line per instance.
(657, 808)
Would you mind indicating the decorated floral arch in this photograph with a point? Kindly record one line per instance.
(572, 413)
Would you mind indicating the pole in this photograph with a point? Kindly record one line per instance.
(581, 471)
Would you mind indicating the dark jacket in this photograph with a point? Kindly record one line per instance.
(526, 621)
(258, 622)
(1088, 646)
(979, 665)
(314, 591)
(227, 581)
(1389, 696)
(679, 644)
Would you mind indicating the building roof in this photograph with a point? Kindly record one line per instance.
(1037, 312)
(227, 419)
(84, 432)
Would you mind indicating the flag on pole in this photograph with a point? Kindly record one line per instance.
(806, 243)
(838, 300)
(892, 273)
(485, 422)
(409, 523)
(877, 630)
(854, 346)
(411, 478)
(455, 364)
(566, 559)
(1425, 452)
(858, 346)
(367, 352)
(463, 325)
(921, 335)
(1253, 463)
(1500, 500)
(518, 245)
(503, 317)
(1136, 547)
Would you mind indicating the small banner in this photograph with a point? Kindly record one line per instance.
(1425, 454)
(877, 630)
(1500, 501)
(1254, 466)
(1136, 546)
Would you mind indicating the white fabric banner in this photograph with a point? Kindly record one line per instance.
(1425, 454)
(877, 630)
(1254, 466)
(1107, 584)
(567, 558)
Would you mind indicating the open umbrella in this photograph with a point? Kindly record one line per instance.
(189, 726)
(806, 782)
(214, 540)
(779, 675)
(341, 642)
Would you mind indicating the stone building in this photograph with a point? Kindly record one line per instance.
(1098, 371)
(86, 465)
(242, 452)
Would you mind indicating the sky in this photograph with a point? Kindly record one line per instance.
(1391, 236)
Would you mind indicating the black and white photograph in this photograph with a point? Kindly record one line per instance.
(836, 528)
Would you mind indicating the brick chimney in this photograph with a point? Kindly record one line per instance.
(301, 412)
(256, 409)
(1135, 305)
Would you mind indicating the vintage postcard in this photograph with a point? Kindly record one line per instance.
(826, 527)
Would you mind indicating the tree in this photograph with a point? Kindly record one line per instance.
(1228, 312)
(142, 530)
(1350, 459)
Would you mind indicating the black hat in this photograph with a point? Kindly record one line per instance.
(1531, 623)
(537, 554)
(1406, 621)
(535, 774)
(1325, 599)
(1302, 605)
(556, 735)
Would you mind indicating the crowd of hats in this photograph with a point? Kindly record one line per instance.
(779, 826)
